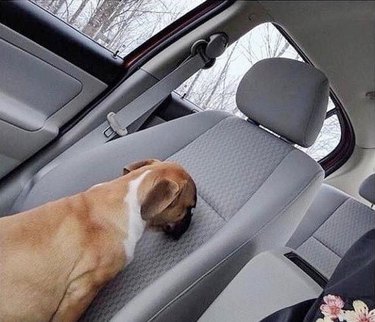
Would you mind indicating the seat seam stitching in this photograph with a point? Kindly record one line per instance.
(314, 177)
(197, 137)
(272, 172)
(326, 246)
(329, 216)
(216, 211)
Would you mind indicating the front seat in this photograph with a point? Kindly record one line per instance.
(253, 189)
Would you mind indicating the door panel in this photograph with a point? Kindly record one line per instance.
(51, 33)
(32, 90)
(39, 92)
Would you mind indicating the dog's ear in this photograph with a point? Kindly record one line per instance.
(137, 165)
(161, 195)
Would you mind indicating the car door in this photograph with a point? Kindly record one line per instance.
(49, 73)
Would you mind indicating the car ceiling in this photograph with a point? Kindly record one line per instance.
(339, 38)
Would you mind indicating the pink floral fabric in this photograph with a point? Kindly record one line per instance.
(332, 310)
(332, 306)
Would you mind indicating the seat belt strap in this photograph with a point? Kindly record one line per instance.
(120, 123)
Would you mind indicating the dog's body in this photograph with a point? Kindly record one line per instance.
(55, 258)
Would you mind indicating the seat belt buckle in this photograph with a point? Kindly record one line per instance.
(114, 127)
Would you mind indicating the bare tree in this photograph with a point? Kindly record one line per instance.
(78, 11)
(195, 80)
(273, 44)
(102, 14)
(283, 49)
(56, 5)
(126, 17)
(222, 76)
(118, 24)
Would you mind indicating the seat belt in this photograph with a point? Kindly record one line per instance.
(203, 55)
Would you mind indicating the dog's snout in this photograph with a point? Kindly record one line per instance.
(176, 230)
(169, 227)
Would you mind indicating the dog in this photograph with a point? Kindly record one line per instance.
(55, 258)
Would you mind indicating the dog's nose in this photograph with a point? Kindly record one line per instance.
(169, 227)
(176, 230)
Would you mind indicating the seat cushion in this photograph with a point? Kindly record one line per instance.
(258, 291)
(331, 226)
(252, 191)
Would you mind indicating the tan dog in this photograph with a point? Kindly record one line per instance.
(55, 258)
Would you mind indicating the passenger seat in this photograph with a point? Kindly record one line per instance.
(253, 189)
(284, 277)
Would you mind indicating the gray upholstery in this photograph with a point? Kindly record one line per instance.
(332, 224)
(286, 96)
(106, 163)
(258, 291)
(237, 167)
(253, 189)
(367, 189)
(21, 95)
(270, 282)
(260, 224)
(233, 163)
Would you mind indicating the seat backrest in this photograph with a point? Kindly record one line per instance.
(330, 227)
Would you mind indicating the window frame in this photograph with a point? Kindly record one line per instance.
(173, 32)
(342, 152)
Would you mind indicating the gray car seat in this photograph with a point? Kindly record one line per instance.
(332, 224)
(253, 187)
(271, 281)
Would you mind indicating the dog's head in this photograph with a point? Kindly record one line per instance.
(167, 195)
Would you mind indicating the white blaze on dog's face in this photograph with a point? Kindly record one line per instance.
(166, 195)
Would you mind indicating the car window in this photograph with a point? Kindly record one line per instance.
(119, 25)
(215, 88)
(328, 138)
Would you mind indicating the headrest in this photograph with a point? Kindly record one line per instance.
(286, 96)
(367, 189)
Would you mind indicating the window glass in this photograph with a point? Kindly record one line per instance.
(215, 88)
(331, 105)
(329, 137)
(119, 25)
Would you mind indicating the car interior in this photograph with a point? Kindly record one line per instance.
(281, 145)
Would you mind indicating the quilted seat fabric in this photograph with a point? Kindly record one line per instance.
(222, 161)
(345, 221)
